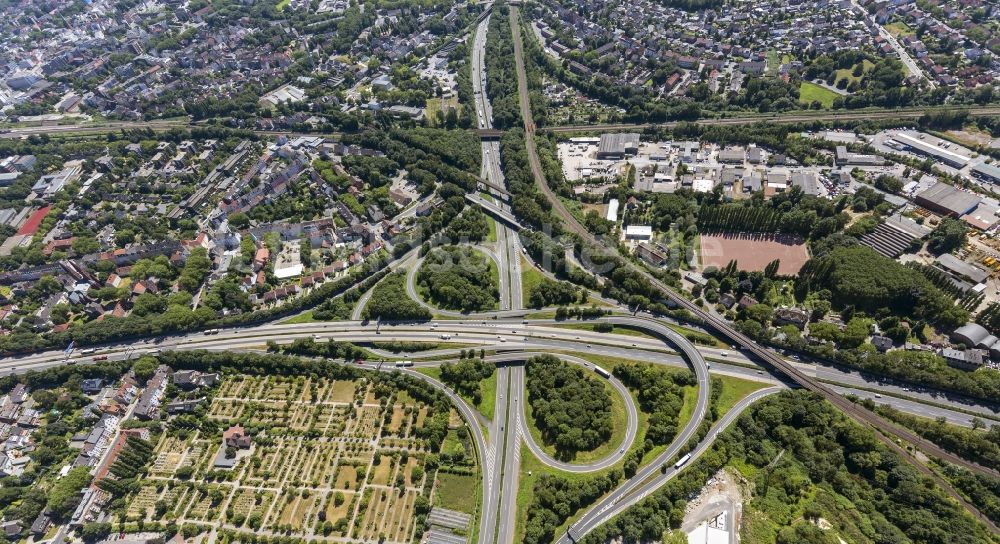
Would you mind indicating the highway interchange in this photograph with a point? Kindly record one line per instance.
(512, 338)
(892, 436)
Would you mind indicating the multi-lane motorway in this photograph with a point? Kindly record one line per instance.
(890, 435)
(500, 504)
(512, 340)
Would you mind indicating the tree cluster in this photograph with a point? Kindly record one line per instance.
(557, 498)
(459, 278)
(550, 292)
(947, 236)
(571, 409)
(389, 302)
(825, 455)
(661, 395)
(465, 376)
(860, 277)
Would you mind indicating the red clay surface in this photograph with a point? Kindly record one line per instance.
(754, 251)
(34, 221)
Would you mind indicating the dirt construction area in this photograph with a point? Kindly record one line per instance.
(715, 515)
(754, 251)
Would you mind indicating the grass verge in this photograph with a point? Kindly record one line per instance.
(810, 92)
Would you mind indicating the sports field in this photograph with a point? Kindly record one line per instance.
(754, 251)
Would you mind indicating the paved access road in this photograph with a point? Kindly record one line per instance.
(520, 386)
(890, 435)
(645, 483)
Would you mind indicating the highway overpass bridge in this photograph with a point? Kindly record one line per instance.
(494, 210)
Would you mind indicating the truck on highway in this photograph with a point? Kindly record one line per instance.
(446, 337)
(212, 331)
(404, 364)
(602, 372)
(680, 462)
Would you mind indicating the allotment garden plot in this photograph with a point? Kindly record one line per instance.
(327, 460)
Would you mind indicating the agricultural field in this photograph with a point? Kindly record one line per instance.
(329, 460)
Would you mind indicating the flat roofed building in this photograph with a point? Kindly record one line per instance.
(612, 210)
(947, 200)
(618, 145)
(957, 267)
(846, 158)
(916, 144)
(987, 172)
(638, 232)
(285, 93)
(732, 155)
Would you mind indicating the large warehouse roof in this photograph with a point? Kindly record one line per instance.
(618, 144)
(959, 267)
(935, 151)
(947, 198)
(987, 170)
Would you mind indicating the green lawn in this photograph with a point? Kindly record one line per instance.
(432, 371)
(899, 28)
(457, 492)
(698, 337)
(530, 277)
(810, 92)
(624, 331)
(734, 390)
(488, 390)
(304, 317)
(848, 73)
(282, 4)
(772, 62)
(492, 237)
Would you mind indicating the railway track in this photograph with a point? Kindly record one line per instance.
(786, 118)
(886, 432)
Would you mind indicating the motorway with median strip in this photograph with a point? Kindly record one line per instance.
(887, 433)
(512, 339)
